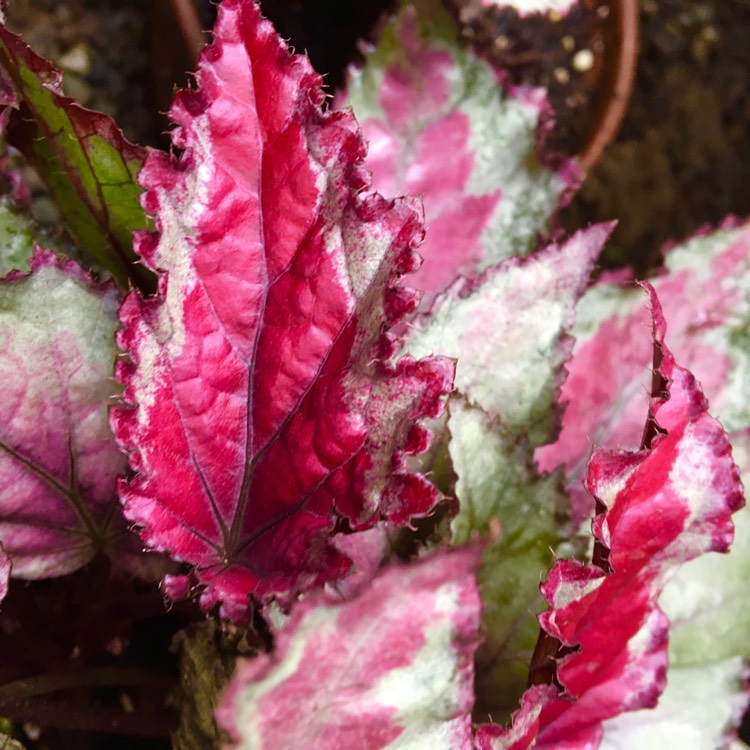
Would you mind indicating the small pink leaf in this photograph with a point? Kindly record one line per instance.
(393, 665)
(661, 506)
(58, 459)
(262, 408)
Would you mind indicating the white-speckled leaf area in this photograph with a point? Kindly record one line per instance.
(660, 507)
(391, 668)
(507, 329)
(439, 125)
(58, 458)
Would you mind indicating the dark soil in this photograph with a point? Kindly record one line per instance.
(682, 157)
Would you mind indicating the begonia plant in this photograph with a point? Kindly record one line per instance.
(389, 471)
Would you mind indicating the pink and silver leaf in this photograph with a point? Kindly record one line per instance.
(58, 459)
(706, 694)
(604, 637)
(439, 125)
(262, 410)
(701, 707)
(508, 330)
(390, 668)
(705, 294)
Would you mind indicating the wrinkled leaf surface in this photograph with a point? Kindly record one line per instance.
(262, 406)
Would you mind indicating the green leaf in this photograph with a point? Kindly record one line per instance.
(89, 167)
(17, 236)
(499, 487)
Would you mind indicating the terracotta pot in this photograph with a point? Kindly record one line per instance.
(189, 24)
(585, 59)
(617, 80)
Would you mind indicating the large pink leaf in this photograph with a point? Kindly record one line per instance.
(392, 667)
(58, 458)
(661, 506)
(439, 125)
(262, 410)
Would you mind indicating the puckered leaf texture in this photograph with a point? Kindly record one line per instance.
(605, 637)
(390, 668)
(262, 409)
